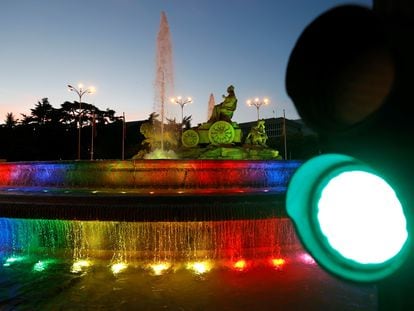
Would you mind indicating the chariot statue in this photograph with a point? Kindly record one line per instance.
(219, 129)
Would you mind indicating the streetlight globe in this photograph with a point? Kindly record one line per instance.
(249, 102)
(179, 98)
(92, 90)
(80, 85)
(266, 101)
(256, 99)
(189, 99)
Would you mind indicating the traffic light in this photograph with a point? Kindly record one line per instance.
(348, 217)
(350, 78)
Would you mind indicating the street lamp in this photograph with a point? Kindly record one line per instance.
(182, 102)
(257, 102)
(80, 90)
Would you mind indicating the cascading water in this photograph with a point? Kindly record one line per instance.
(147, 241)
(197, 206)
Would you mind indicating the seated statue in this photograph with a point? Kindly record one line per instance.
(224, 111)
(257, 135)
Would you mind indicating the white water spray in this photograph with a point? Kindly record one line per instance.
(164, 79)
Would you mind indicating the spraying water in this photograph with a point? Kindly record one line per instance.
(164, 73)
(211, 104)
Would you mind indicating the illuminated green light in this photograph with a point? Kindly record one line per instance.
(362, 218)
(349, 218)
(11, 260)
(42, 265)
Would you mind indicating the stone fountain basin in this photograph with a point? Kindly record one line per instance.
(145, 190)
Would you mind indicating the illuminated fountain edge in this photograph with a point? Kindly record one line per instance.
(145, 190)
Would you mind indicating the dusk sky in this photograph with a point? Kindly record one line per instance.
(110, 44)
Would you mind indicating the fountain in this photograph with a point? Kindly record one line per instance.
(89, 234)
(89, 189)
(156, 234)
(164, 79)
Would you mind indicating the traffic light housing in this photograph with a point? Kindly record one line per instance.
(348, 217)
(350, 78)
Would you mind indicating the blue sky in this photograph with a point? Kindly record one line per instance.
(110, 44)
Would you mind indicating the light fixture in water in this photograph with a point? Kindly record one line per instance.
(160, 268)
(80, 265)
(240, 265)
(12, 260)
(278, 262)
(348, 217)
(42, 265)
(118, 267)
(199, 267)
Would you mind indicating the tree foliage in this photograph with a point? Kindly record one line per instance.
(10, 120)
(50, 133)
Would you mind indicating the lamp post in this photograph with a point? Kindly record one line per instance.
(80, 91)
(182, 102)
(123, 136)
(257, 102)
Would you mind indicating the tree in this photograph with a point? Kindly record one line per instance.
(11, 120)
(43, 112)
(71, 114)
(49, 133)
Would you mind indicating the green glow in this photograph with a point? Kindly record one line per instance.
(362, 218)
(348, 218)
(11, 260)
(42, 265)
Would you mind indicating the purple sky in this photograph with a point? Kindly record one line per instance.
(110, 44)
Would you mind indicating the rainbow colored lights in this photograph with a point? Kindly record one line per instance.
(156, 247)
(149, 176)
(200, 267)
